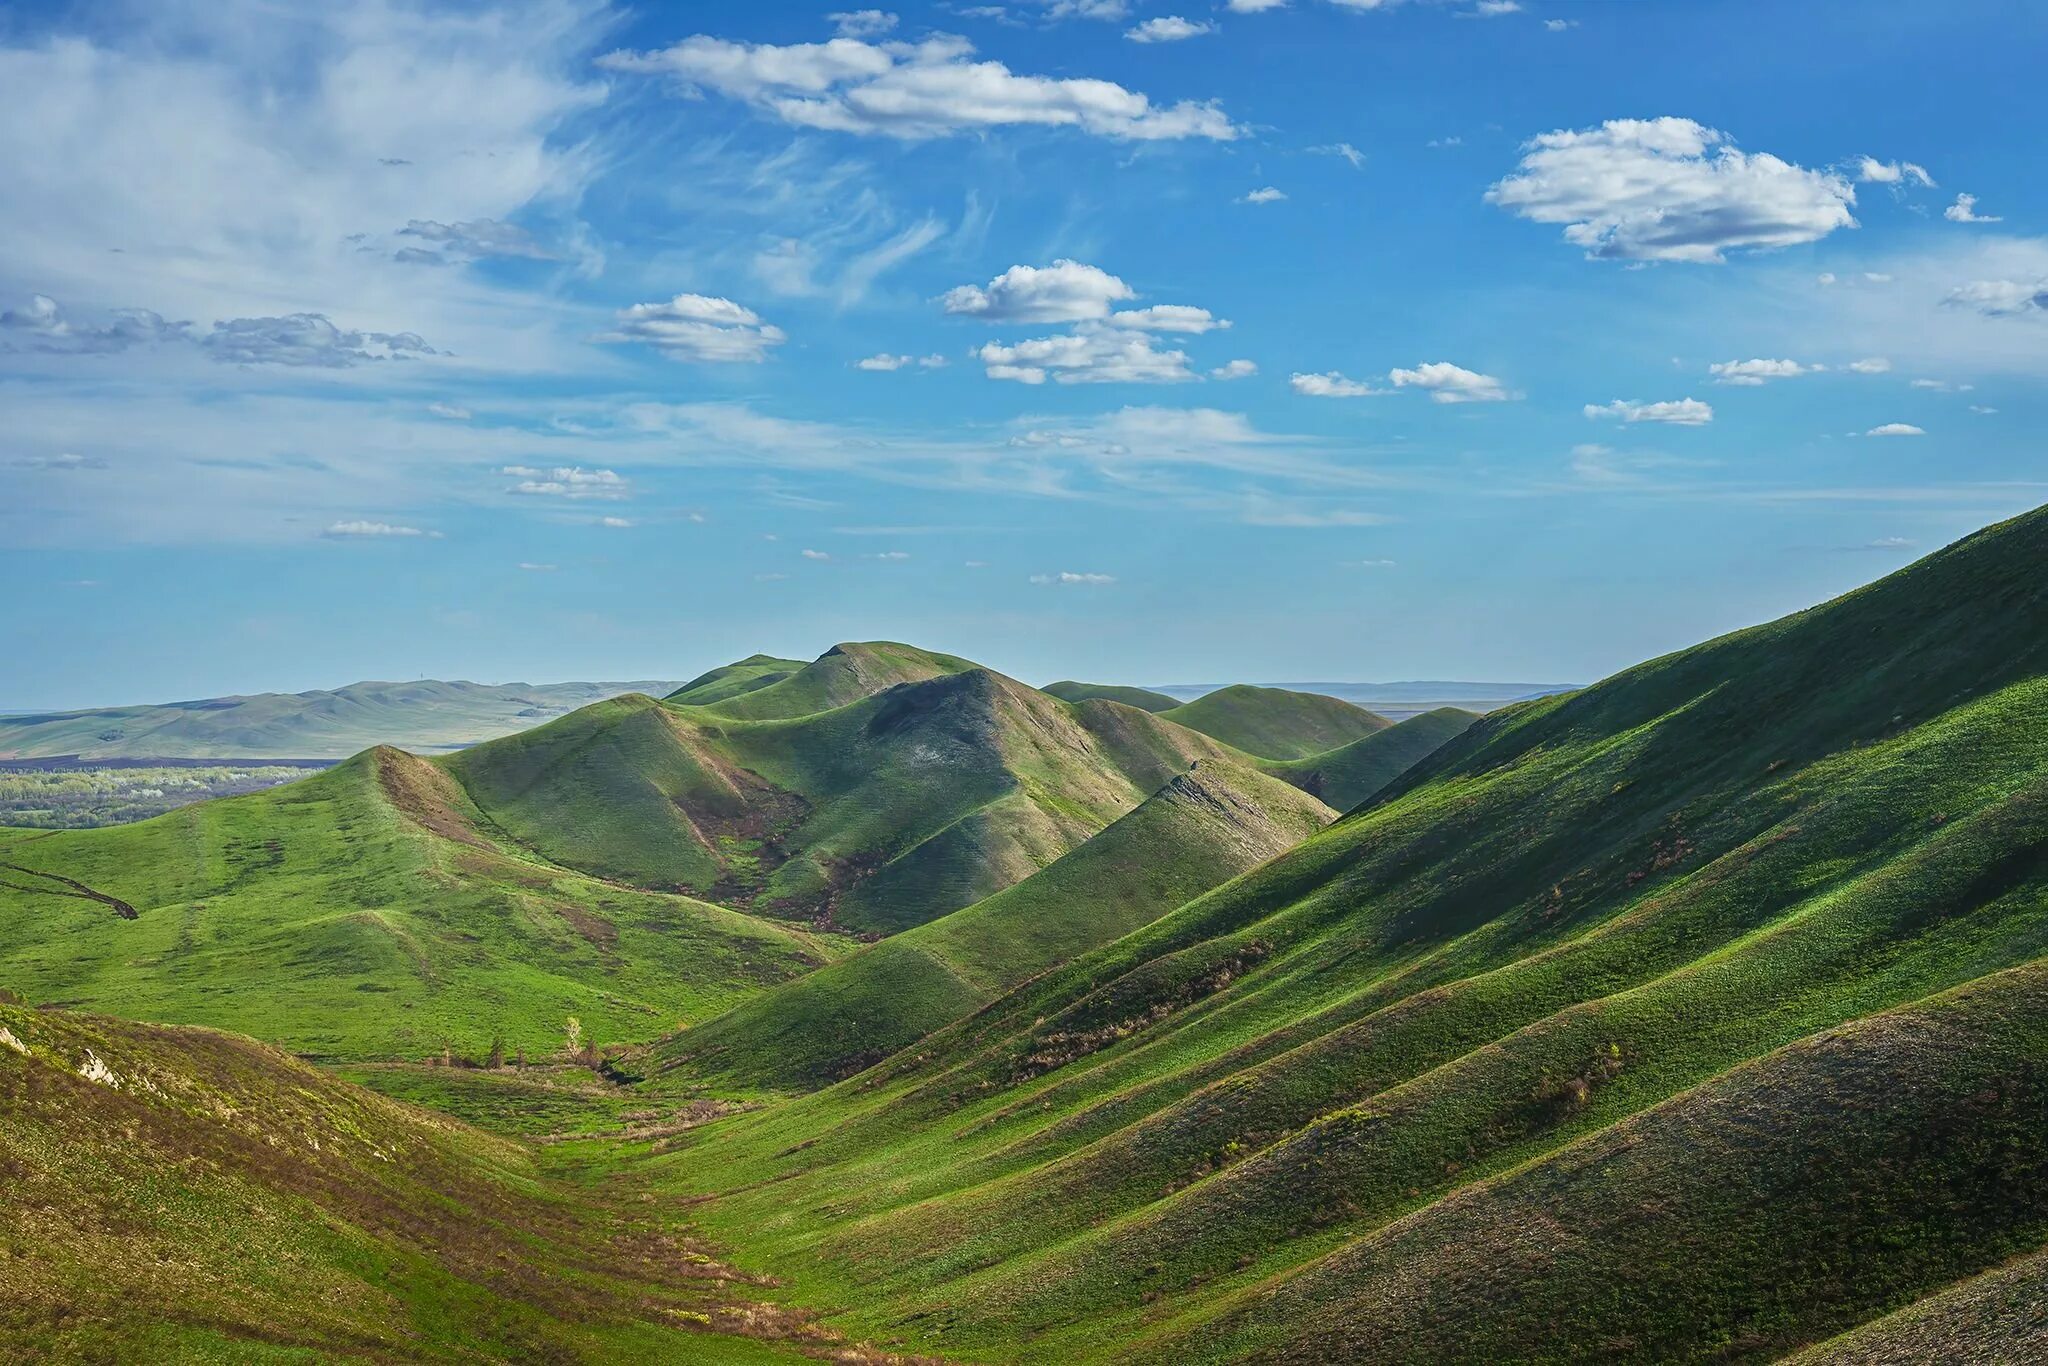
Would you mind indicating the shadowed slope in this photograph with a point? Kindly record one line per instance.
(1200, 829)
(1144, 699)
(730, 680)
(1577, 911)
(1350, 774)
(1274, 723)
(845, 673)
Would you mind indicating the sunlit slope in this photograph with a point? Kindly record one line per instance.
(423, 716)
(730, 680)
(365, 912)
(1610, 925)
(1346, 776)
(845, 673)
(182, 1195)
(888, 811)
(1200, 829)
(1144, 699)
(1274, 723)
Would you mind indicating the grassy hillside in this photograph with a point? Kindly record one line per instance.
(1273, 723)
(423, 716)
(181, 1195)
(730, 680)
(1144, 699)
(366, 912)
(1698, 1013)
(1200, 829)
(904, 804)
(845, 673)
(1345, 776)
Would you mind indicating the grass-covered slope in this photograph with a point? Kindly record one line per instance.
(1144, 699)
(845, 673)
(730, 680)
(887, 811)
(1345, 776)
(422, 716)
(1621, 1024)
(366, 912)
(1202, 828)
(182, 1195)
(1273, 723)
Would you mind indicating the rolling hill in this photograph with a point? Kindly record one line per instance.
(1144, 699)
(423, 716)
(1345, 776)
(1703, 1012)
(1273, 723)
(730, 680)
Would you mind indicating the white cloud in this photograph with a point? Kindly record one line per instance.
(373, 530)
(1253, 6)
(1091, 355)
(1448, 383)
(1069, 578)
(697, 327)
(615, 523)
(1493, 9)
(1345, 150)
(1755, 372)
(1366, 564)
(1065, 291)
(1896, 429)
(1684, 412)
(298, 339)
(1235, 369)
(1168, 28)
(43, 326)
(815, 555)
(891, 555)
(1874, 172)
(1670, 189)
(913, 90)
(477, 238)
(533, 568)
(1560, 25)
(63, 461)
(1266, 195)
(1330, 385)
(862, 23)
(2001, 298)
(454, 412)
(567, 481)
(1981, 410)
(883, 362)
(1168, 318)
(1872, 365)
(1964, 210)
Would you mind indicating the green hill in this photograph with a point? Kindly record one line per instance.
(730, 680)
(1200, 829)
(422, 716)
(843, 674)
(1701, 1012)
(1349, 774)
(908, 802)
(182, 1195)
(367, 912)
(1273, 723)
(1144, 699)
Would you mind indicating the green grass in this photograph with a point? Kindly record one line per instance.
(730, 680)
(425, 716)
(1619, 1024)
(1345, 776)
(1144, 699)
(1273, 723)
(845, 673)
(360, 914)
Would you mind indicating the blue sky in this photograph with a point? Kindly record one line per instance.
(527, 342)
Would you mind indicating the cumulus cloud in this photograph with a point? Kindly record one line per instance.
(1265, 195)
(477, 238)
(815, 555)
(372, 530)
(1235, 369)
(1755, 372)
(615, 523)
(1065, 291)
(567, 481)
(1871, 365)
(1896, 429)
(1871, 171)
(884, 362)
(2001, 298)
(306, 339)
(1448, 383)
(1670, 189)
(1330, 385)
(1253, 6)
(1090, 355)
(1683, 412)
(1068, 578)
(1168, 318)
(862, 23)
(42, 326)
(698, 327)
(926, 89)
(1168, 28)
(1964, 210)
